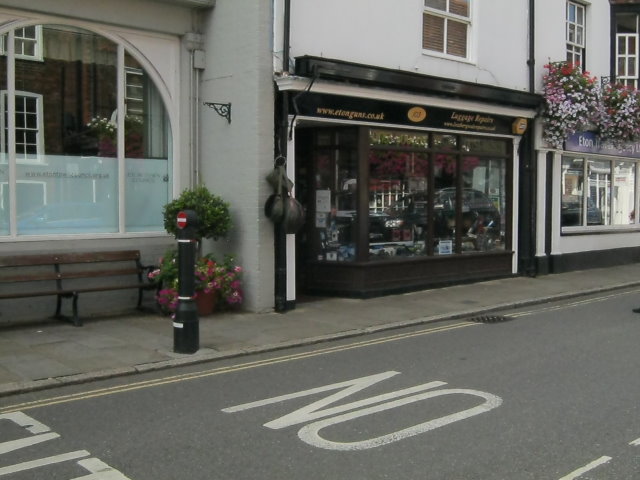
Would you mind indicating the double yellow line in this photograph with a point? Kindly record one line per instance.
(101, 392)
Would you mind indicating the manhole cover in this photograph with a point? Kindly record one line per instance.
(490, 318)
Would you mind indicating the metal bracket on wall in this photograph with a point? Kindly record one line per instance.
(222, 109)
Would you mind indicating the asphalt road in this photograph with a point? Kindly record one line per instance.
(552, 392)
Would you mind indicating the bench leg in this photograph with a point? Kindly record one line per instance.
(76, 320)
(139, 298)
(58, 307)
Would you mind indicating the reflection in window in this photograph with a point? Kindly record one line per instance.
(599, 193)
(624, 175)
(28, 125)
(68, 143)
(27, 43)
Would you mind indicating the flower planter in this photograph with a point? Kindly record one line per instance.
(206, 302)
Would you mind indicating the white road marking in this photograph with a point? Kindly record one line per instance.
(635, 443)
(12, 445)
(310, 433)
(99, 471)
(25, 421)
(577, 473)
(41, 462)
(336, 414)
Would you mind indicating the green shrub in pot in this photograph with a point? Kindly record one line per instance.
(214, 219)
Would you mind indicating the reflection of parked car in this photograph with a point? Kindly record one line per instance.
(571, 213)
(479, 214)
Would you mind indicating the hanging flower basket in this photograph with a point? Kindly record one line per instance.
(620, 122)
(572, 102)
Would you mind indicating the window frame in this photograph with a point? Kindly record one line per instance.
(610, 227)
(447, 17)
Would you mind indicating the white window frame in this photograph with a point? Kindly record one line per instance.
(623, 75)
(20, 40)
(447, 16)
(576, 48)
(23, 157)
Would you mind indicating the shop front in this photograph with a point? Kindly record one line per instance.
(403, 195)
(593, 198)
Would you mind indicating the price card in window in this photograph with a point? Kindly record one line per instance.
(445, 247)
(323, 200)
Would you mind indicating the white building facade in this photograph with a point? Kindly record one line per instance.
(411, 130)
(105, 122)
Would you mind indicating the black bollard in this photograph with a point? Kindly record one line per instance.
(186, 328)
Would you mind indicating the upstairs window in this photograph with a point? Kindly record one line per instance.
(627, 49)
(575, 33)
(445, 27)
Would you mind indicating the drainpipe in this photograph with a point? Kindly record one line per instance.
(280, 240)
(530, 162)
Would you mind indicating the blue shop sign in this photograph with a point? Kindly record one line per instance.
(589, 142)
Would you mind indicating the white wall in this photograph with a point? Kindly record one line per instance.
(235, 158)
(388, 34)
(551, 37)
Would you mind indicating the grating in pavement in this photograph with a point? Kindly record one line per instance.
(490, 318)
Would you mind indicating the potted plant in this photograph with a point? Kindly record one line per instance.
(216, 283)
(214, 219)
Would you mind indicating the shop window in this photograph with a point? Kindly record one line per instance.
(445, 27)
(92, 157)
(575, 33)
(597, 192)
(405, 195)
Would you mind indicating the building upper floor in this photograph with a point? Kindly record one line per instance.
(501, 43)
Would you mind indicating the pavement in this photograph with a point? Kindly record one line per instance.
(51, 353)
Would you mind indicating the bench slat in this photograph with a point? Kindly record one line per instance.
(67, 258)
(29, 277)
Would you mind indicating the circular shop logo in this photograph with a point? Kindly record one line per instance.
(417, 114)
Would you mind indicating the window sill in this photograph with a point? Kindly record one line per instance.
(600, 230)
(444, 56)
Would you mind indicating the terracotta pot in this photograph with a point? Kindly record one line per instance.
(206, 302)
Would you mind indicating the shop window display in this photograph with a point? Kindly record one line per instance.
(607, 197)
(405, 194)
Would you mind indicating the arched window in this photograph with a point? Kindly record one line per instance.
(84, 136)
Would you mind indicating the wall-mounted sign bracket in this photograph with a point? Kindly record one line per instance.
(222, 109)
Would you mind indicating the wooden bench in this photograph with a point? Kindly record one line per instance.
(67, 275)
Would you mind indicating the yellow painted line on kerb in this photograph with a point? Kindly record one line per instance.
(101, 392)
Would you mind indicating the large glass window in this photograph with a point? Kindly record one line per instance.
(85, 148)
(382, 194)
(445, 26)
(597, 192)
